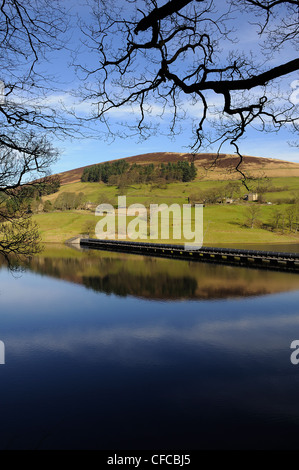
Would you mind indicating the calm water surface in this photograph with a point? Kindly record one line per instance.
(114, 351)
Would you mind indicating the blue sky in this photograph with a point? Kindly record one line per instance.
(85, 152)
(80, 152)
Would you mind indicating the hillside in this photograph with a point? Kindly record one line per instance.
(229, 217)
(209, 167)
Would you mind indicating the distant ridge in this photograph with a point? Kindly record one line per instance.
(208, 165)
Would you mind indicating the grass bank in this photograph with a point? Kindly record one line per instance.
(223, 224)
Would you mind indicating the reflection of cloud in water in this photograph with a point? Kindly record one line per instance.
(218, 370)
(248, 335)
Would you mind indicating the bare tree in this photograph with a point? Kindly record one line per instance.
(151, 54)
(252, 213)
(291, 216)
(276, 218)
(28, 32)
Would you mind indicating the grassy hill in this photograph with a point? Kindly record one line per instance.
(223, 223)
(222, 226)
(209, 166)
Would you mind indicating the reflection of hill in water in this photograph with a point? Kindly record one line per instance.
(163, 287)
(157, 278)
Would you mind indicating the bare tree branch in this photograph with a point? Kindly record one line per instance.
(178, 57)
(28, 32)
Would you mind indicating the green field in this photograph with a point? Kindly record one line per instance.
(148, 193)
(223, 223)
(58, 227)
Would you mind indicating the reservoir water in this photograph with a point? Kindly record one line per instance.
(114, 351)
